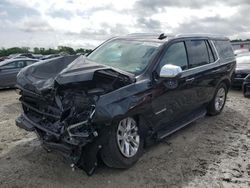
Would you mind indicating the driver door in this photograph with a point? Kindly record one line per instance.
(173, 97)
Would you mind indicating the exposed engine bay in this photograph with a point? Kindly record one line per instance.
(67, 108)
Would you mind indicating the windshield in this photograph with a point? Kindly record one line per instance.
(127, 55)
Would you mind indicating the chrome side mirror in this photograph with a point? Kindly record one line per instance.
(170, 71)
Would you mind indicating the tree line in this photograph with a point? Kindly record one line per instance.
(59, 49)
(43, 51)
(240, 40)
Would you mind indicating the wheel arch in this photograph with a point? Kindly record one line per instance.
(227, 82)
(144, 127)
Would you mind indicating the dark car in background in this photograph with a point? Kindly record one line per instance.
(128, 92)
(22, 55)
(246, 86)
(3, 58)
(9, 70)
(242, 69)
(45, 57)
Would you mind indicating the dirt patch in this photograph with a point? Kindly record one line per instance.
(211, 152)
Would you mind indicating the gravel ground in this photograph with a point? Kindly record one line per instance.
(211, 152)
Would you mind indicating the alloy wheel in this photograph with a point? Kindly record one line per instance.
(220, 99)
(128, 138)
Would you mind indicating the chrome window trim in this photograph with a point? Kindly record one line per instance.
(203, 68)
(198, 69)
(217, 53)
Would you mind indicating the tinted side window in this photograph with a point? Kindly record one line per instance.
(224, 48)
(29, 62)
(197, 53)
(20, 64)
(175, 55)
(14, 65)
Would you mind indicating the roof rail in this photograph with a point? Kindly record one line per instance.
(152, 35)
(200, 35)
(141, 34)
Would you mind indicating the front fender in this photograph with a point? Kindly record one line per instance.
(123, 102)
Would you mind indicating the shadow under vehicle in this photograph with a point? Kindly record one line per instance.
(130, 91)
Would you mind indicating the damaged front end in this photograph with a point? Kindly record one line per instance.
(68, 114)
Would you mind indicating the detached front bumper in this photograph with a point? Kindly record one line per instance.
(50, 140)
(24, 123)
(83, 156)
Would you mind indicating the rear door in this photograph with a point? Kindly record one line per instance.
(9, 72)
(201, 72)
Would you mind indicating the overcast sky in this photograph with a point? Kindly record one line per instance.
(86, 23)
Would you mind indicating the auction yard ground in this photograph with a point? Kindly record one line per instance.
(211, 152)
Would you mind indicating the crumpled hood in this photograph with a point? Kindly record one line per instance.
(79, 70)
(42, 76)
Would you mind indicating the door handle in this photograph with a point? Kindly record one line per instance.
(189, 80)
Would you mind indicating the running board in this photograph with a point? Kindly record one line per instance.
(170, 129)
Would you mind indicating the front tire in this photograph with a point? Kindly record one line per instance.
(125, 144)
(218, 102)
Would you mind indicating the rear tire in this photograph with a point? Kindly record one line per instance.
(218, 102)
(124, 147)
(245, 92)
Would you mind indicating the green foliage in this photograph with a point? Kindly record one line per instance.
(14, 50)
(65, 49)
(83, 51)
(43, 51)
(240, 40)
(236, 40)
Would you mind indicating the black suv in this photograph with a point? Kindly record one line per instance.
(130, 91)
